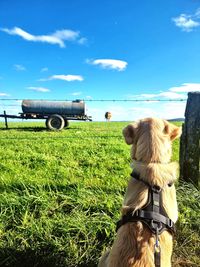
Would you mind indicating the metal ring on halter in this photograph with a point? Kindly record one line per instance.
(157, 226)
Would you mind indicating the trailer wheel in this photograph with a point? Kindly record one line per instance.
(66, 123)
(55, 122)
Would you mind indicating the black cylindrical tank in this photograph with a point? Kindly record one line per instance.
(76, 107)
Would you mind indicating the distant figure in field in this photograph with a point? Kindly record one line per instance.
(108, 116)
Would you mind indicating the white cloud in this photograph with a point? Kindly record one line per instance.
(4, 94)
(59, 37)
(67, 35)
(170, 95)
(34, 38)
(44, 69)
(148, 95)
(176, 92)
(38, 89)
(172, 110)
(18, 67)
(197, 13)
(187, 22)
(82, 41)
(68, 78)
(130, 113)
(76, 93)
(186, 87)
(109, 63)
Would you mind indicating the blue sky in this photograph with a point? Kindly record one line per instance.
(108, 49)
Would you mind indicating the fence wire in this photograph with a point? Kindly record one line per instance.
(88, 137)
(102, 100)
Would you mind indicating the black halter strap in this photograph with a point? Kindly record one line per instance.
(152, 214)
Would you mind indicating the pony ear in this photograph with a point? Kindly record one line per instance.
(176, 132)
(173, 131)
(129, 133)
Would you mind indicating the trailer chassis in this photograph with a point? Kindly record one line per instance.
(53, 121)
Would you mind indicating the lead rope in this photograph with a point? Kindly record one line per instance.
(157, 250)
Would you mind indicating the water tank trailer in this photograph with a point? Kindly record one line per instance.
(56, 113)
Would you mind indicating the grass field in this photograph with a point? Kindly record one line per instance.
(61, 194)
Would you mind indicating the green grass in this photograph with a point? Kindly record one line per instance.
(61, 194)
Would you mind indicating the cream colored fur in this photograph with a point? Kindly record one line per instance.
(150, 141)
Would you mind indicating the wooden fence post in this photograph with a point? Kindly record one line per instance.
(190, 141)
(6, 121)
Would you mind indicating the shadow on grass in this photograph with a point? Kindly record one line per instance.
(45, 257)
(35, 129)
(27, 129)
(29, 258)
